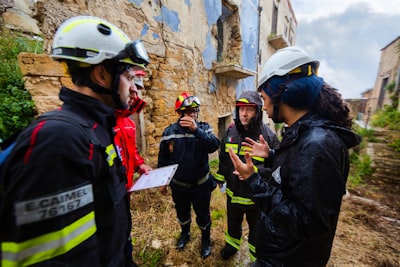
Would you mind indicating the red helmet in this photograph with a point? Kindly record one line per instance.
(186, 100)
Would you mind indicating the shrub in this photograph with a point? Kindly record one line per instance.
(360, 168)
(16, 107)
(395, 144)
(390, 87)
(366, 134)
(388, 117)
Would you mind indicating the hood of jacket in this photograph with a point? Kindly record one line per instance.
(349, 137)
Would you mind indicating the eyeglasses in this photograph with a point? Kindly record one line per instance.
(191, 101)
(136, 52)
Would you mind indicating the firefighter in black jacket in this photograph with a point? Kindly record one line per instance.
(248, 123)
(188, 143)
(300, 204)
(63, 200)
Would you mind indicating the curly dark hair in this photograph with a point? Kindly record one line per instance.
(331, 106)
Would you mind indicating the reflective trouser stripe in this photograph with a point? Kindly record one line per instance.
(48, 246)
(239, 200)
(252, 250)
(233, 241)
(219, 177)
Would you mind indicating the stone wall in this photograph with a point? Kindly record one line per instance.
(175, 50)
(181, 38)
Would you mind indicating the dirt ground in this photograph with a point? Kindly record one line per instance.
(368, 232)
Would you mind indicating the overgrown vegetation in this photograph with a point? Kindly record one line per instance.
(16, 107)
(390, 87)
(395, 93)
(360, 164)
(360, 167)
(395, 144)
(388, 117)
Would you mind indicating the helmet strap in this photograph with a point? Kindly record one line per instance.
(96, 88)
(102, 90)
(115, 94)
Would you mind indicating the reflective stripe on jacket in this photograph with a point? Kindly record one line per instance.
(63, 198)
(190, 150)
(235, 188)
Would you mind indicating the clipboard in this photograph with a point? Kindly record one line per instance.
(155, 178)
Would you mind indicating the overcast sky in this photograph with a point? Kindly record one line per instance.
(347, 36)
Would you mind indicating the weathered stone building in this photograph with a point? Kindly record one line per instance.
(388, 73)
(210, 48)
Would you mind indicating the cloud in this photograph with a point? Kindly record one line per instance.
(347, 39)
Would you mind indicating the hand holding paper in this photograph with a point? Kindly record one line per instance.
(155, 178)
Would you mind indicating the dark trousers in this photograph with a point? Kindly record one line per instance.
(235, 215)
(199, 197)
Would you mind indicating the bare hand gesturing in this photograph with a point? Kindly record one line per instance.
(257, 149)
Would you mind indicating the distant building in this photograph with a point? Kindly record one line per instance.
(386, 89)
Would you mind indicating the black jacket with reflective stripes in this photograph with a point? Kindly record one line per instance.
(63, 190)
(237, 189)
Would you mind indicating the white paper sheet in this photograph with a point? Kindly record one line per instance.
(156, 177)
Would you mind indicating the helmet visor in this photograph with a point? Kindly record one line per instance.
(191, 101)
(136, 52)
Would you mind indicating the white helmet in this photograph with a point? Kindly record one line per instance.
(92, 40)
(283, 61)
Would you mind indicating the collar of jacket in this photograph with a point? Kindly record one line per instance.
(311, 120)
(88, 107)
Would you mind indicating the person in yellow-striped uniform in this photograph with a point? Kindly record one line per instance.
(248, 123)
(63, 200)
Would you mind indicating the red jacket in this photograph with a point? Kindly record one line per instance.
(125, 141)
